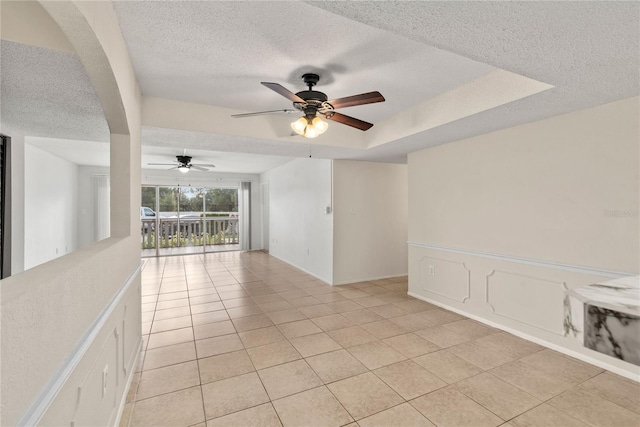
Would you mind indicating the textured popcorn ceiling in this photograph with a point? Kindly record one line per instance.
(46, 92)
(415, 53)
(218, 53)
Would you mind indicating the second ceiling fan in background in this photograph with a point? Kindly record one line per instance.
(184, 165)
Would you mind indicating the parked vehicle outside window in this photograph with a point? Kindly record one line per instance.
(147, 213)
(146, 216)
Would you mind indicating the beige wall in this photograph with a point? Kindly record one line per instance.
(370, 221)
(540, 190)
(509, 220)
(67, 321)
(28, 23)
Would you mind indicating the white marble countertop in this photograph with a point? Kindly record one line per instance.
(621, 294)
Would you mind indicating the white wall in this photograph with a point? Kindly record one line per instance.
(50, 206)
(301, 233)
(86, 216)
(511, 219)
(370, 221)
(256, 220)
(264, 214)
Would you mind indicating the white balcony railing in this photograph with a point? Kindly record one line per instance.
(160, 233)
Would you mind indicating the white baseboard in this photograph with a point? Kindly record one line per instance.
(544, 343)
(331, 282)
(369, 279)
(310, 273)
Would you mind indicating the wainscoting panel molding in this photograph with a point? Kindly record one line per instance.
(534, 301)
(448, 279)
(98, 369)
(521, 296)
(98, 384)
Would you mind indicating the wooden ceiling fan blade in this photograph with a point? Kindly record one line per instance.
(204, 165)
(283, 91)
(362, 99)
(261, 113)
(163, 164)
(199, 168)
(350, 121)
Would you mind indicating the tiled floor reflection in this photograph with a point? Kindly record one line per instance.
(243, 339)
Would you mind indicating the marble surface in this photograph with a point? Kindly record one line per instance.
(605, 317)
(621, 294)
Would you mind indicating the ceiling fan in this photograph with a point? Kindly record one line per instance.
(315, 106)
(184, 165)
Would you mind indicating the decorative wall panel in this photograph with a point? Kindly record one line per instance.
(445, 278)
(100, 385)
(534, 301)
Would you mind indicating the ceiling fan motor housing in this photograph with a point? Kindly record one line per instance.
(185, 160)
(312, 95)
(314, 100)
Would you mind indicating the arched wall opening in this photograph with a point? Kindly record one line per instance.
(68, 321)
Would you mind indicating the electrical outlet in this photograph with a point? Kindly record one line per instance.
(432, 270)
(105, 371)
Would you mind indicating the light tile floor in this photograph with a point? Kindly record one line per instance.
(243, 339)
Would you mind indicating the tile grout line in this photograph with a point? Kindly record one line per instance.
(195, 347)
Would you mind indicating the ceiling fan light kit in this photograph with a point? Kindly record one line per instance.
(315, 106)
(309, 127)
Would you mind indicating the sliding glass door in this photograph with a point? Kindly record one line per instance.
(184, 220)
